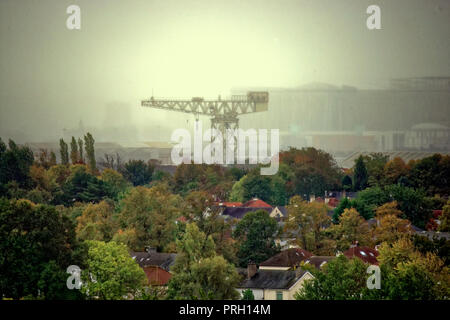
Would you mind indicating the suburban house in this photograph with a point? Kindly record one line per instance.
(156, 265)
(240, 212)
(237, 210)
(273, 284)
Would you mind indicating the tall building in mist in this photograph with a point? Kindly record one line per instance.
(412, 114)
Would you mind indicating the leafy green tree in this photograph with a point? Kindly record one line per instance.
(394, 170)
(74, 155)
(413, 204)
(440, 247)
(352, 228)
(198, 273)
(200, 210)
(306, 223)
(345, 203)
(15, 163)
(111, 273)
(390, 227)
(90, 152)
(80, 150)
(83, 186)
(410, 281)
(257, 186)
(115, 181)
(279, 195)
(339, 279)
(347, 183)
(410, 274)
(64, 152)
(431, 174)
(151, 213)
(97, 222)
(36, 247)
(314, 171)
(375, 164)
(248, 295)
(237, 192)
(137, 172)
(360, 175)
(237, 173)
(256, 234)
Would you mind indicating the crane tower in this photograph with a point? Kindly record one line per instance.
(224, 114)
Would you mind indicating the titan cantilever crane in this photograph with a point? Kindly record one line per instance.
(224, 113)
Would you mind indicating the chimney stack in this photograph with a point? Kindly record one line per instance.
(251, 270)
(150, 249)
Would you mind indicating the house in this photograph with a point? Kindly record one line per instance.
(240, 212)
(273, 284)
(285, 260)
(229, 204)
(156, 265)
(366, 254)
(237, 210)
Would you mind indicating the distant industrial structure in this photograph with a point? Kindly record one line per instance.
(412, 114)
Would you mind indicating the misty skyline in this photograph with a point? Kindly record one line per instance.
(53, 77)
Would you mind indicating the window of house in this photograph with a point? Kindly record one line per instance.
(279, 295)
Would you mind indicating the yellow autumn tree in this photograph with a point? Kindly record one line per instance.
(390, 227)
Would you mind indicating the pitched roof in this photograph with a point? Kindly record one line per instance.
(256, 203)
(230, 204)
(366, 254)
(159, 259)
(287, 258)
(318, 261)
(157, 275)
(273, 279)
(240, 212)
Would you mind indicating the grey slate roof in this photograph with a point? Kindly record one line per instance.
(145, 259)
(240, 212)
(433, 234)
(273, 279)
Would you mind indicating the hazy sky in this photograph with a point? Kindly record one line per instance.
(52, 77)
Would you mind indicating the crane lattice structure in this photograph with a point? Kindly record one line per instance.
(224, 114)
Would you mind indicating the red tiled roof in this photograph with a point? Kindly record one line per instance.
(366, 254)
(157, 276)
(230, 204)
(256, 203)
